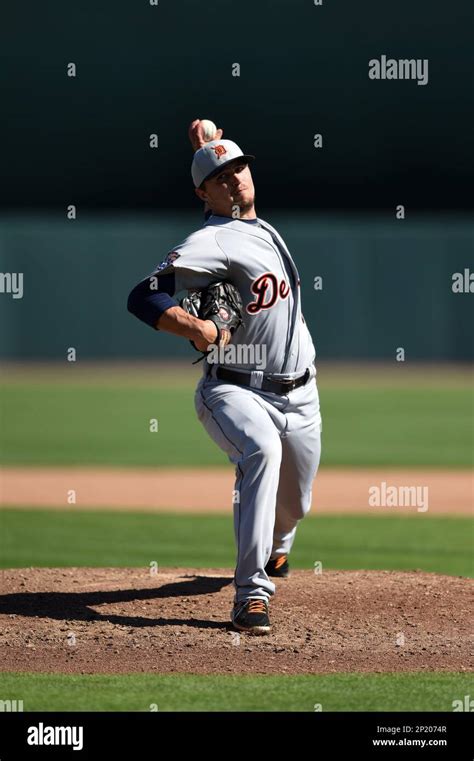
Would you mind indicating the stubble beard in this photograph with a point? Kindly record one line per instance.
(245, 206)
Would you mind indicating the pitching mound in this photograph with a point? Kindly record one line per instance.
(91, 620)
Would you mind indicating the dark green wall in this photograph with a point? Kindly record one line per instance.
(304, 69)
(386, 284)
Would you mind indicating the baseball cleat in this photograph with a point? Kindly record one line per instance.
(278, 567)
(251, 616)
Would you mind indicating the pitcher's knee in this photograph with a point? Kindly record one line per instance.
(304, 504)
(267, 449)
(298, 506)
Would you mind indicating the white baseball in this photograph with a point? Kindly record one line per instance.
(209, 130)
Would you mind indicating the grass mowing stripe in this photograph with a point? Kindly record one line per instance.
(108, 539)
(78, 425)
(186, 692)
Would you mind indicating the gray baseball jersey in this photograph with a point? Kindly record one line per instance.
(272, 439)
(256, 260)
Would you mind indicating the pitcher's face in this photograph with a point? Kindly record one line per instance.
(231, 187)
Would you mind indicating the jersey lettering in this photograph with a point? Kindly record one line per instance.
(267, 290)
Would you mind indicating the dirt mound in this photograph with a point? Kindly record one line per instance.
(111, 620)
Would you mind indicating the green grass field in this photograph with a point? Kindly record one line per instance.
(53, 538)
(56, 538)
(188, 692)
(102, 418)
(54, 424)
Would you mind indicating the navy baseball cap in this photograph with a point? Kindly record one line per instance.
(212, 157)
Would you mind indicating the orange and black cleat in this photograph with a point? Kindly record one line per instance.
(251, 616)
(278, 567)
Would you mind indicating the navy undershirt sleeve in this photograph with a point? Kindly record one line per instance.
(147, 304)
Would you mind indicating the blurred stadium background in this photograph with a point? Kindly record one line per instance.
(386, 282)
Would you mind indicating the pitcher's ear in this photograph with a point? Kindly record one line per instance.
(201, 194)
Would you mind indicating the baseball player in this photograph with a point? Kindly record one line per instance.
(257, 397)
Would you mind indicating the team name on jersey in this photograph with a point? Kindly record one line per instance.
(267, 290)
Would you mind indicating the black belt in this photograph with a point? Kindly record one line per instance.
(275, 386)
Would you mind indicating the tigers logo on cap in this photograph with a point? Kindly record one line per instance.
(219, 150)
(213, 157)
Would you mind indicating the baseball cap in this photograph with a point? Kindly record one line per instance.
(212, 157)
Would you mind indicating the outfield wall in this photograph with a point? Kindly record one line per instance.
(386, 283)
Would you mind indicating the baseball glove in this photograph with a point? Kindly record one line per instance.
(220, 302)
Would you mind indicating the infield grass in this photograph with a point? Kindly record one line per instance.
(111, 539)
(186, 692)
(67, 424)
